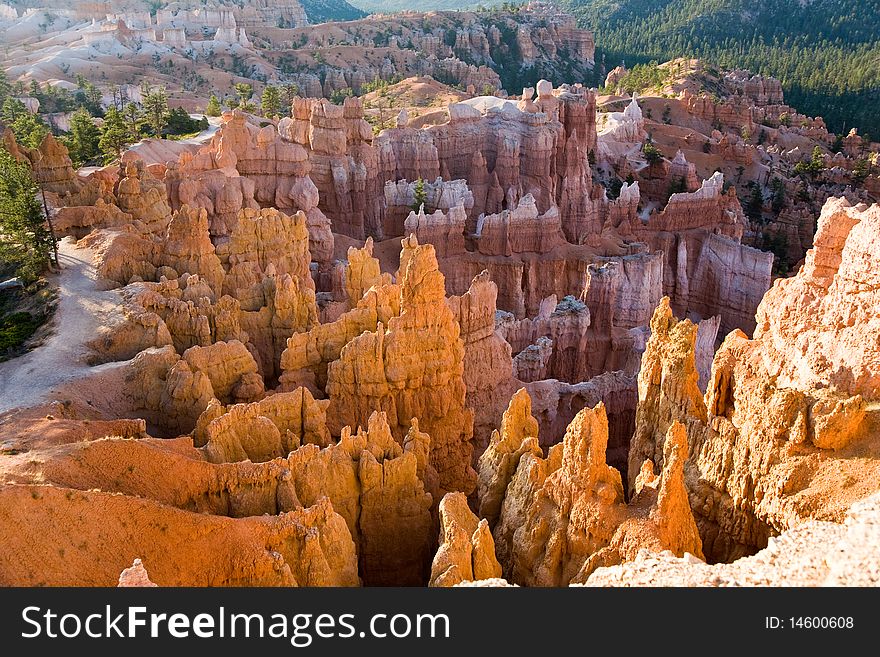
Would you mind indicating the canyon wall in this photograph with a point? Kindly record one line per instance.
(782, 411)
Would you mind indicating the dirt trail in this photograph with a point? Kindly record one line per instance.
(29, 379)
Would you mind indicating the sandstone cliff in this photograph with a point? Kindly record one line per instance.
(769, 432)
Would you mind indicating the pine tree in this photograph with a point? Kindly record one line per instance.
(25, 238)
(29, 129)
(778, 188)
(213, 108)
(5, 87)
(116, 95)
(115, 135)
(271, 101)
(291, 91)
(83, 142)
(756, 203)
(132, 119)
(156, 110)
(11, 110)
(652, 153)
(861, 171)
(89, 96)
(420, 196)
(245, 92)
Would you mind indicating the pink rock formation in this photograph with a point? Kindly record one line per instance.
(818, 326)
(221, 192)
(307, 355)
(520, 230)
(278, 170)
(306, 547)
(185, 307)
(52, 167)
(80, 220)
(187, 248)
(445, 231)
(135, 575)
(505, 154)
(173, 391)
(566, 327)
(772, 438)
(759, 89)
(144, 198)
(517, 436)
(412, 369)
(467, 551)
(707, 271)
(263, 430)
(563, 517)
(555, 405)
(816, 553)
(342, 162)
(361, 272)
(444, 195)
(488, 373)
(378, 486)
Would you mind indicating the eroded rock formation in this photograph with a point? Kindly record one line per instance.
(411, 369)
(467, 551)
(135, 575)
(564, 516)
(766, 436)
(307, 547)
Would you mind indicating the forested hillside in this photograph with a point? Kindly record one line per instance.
(826, 52)
(320, 11)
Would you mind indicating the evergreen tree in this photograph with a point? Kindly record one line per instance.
(213, 108)
(814, 167)
(291, 91)
(29, 129)
(89, 96)
(83, 142)
(115, 135)
(116, 95)
(25, 238)
(861, 171)
(339, 95)
(420, 196)
(756, 203)
(11, 110)
(677, 186)
(5, 87)
(652, 153)
(132, 115)
(270, 101)
(156, 112)
(245, 92)
(181, 123)
(778, 188)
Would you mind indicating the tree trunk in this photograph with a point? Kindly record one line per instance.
(51, 227)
